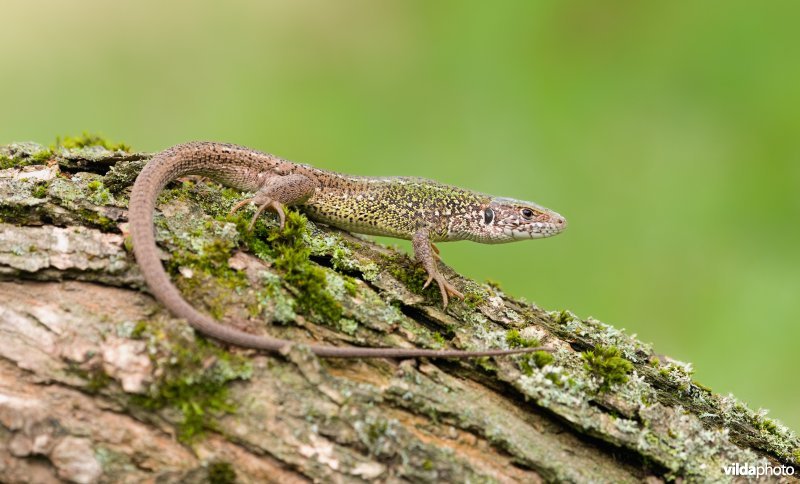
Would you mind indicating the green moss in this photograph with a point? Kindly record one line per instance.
(606, 363)
(796, 455)
(139, 330)
(290, 255)
(474, 299)
(350, 286)
(486, 364)
(439, 338)
(766, 424)
(99, 194)
(36, 158)
(702, 387)
(95, 219)
(494, 284)
(412, 277)
(553, 377)
(211, 262)
(193, 378)
(86, 140)
(514, 340)
(40, 189)
(221, 473)
(542, 358)
(41, 156)
(525, 366)
(539, 359)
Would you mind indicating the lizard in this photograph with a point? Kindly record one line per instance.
(418, 209)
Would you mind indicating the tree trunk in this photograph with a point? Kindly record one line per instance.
(98, 383)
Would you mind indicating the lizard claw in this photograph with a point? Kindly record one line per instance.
(274, 205)
(239, 205)
(445, 288)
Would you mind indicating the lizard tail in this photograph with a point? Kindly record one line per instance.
(223, 163)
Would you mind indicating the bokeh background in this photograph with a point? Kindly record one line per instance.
(668, 133)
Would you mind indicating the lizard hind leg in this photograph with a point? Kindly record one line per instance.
(277, 192)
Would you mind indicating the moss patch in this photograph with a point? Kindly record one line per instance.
(400, 267)
(86, 140)
(290, 253)
(33, 155)
(40, 189)
(514, 340)
(97, 220)
(474, 299)
(606, 363)
(538, 359)
(193, 270)
(193, 377)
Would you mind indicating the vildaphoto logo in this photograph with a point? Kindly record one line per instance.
(760, 470)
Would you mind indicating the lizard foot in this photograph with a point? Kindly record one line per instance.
(265, 204)
(274, 205)
(445, 288)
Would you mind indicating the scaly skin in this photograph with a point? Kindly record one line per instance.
(410, 208)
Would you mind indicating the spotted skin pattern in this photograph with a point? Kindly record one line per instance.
(417, 209)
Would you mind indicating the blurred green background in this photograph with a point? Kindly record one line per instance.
(668, 133)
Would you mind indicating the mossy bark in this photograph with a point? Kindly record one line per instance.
(98, 383)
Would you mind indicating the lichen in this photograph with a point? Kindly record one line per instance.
(606, 363)
(122, 174)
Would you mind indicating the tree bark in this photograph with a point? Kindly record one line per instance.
(98, 383)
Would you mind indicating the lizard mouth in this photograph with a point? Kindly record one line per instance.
(546, 226)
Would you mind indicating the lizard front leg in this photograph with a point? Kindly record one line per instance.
(427, 254)
(277, 192)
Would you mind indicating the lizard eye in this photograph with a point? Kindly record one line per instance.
(488, 216)
(527, 213)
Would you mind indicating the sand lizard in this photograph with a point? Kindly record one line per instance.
(418, 209)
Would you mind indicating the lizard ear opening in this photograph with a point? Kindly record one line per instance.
(488, 216)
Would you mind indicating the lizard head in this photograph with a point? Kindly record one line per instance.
(507, 220)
